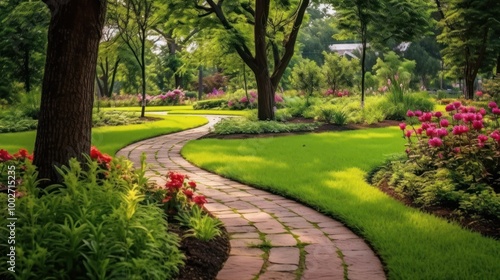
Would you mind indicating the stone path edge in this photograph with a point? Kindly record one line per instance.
(271, 237)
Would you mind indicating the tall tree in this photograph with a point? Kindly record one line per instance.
(22, 44)
(64, 127)
(134, 20)
(469, 28)
(108, 61)
(378, 21)
(275, 28)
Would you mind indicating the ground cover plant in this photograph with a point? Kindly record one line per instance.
(110, 139)
(95, 225)
(452, 161)
(184, 109)
(244, 125)
(327, 171)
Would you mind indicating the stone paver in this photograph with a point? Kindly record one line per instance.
(251, 215)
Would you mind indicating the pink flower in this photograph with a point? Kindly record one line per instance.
(435, 142)
(444, 123)
(418, 113)
(482, 111)
(408, 133)
(477, 125)
(460, 129)
(479, 93)
(402, 126)
(449, 107)
(430, 132)
(492, 104)
(442, 132)
(410, 113)
(482, 138)
(438, 114)
(456, 150)
(419, 131)
(457, 116)
(495, 135)
(495, 111)
(469, 117)
(457, 104)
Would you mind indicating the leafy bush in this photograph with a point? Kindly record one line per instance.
(452, 161)
(96, 226)
(397, 111)
(333, 115)
(201, 225)
(210, 104)
(114, 118)
(241, 125)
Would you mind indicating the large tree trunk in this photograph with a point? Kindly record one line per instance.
(64, 127)
(265, 96)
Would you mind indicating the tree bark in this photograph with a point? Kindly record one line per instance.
(64, 127)
(363, 71)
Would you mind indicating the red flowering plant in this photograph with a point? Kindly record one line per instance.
(178, 194)
(467, 143)
(102, 159)
(16, 164)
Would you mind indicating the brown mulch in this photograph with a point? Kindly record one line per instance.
(204, 259)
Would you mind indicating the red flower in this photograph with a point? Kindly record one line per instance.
(5, 156)
(188, 193)
(192, 184)
(23, 154)
(166, 199)
(200, 200)
(95, 154)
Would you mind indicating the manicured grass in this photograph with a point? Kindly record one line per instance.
(186, 109)
(328, 171)
(110, 139)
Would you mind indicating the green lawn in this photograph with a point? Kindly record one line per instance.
(185, 109)
(328, 172)
(110, 139)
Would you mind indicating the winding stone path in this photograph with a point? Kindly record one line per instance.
(271, 237)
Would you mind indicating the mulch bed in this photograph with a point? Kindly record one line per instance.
(204, 259)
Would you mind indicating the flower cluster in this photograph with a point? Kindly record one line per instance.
(173, 97)
(244, 102)
(102, 159)
(21, 155)
(215, 94)
(470, 136)
(337, 93)
(180, 193)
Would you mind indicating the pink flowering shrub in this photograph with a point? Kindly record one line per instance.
(452, 161)
(239, 103)
(336, 93)
(215, 94)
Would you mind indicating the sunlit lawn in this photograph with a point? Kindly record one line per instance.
(185, 109)
(328, 172)
(110, 139)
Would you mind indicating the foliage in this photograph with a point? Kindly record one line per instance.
(95, 226)
(202, 226)
(463, 150)
(492, 88)
(332, 115)
(241, 125)
(210, 104)
(395, 74)
(306, 76)
(113, 118)
(400, 235)
(395, 110)
(339, 72)
(470, 35)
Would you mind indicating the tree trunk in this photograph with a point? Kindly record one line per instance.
(265, 96)
(469, 87)
(363, 72)
(143, 73)
(64, 127)
(498, 64)
(27, 72)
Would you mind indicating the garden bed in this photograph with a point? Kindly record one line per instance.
(204, 259)
(485, 227)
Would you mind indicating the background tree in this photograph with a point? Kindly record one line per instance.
(23, 39)
(107, 62)
(134, 20)
(275, 26)
(64, 127)
(378, 21)
(306, 76)
(338, 71)
(468, 33)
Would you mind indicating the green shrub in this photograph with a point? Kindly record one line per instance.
(397, 111)
(210, 104)
(241, 125)
(201, 225)
(95, 227)
(114, 118)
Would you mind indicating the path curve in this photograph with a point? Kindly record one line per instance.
(303, 241)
